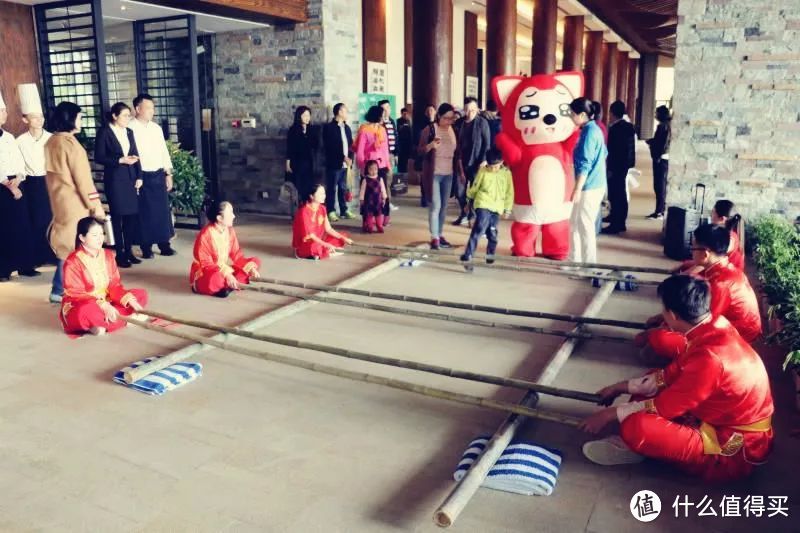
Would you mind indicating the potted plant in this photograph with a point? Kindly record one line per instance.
(189, 183)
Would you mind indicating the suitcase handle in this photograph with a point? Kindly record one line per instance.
(697, 187)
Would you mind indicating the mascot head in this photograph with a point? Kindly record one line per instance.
(537, 106)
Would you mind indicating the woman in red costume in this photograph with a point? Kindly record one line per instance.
(219, 264)
(94, 297)
(708, 413)
(312, 234)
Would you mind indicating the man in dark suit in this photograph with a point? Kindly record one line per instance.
(621, 158)
(474, 140)
(338, 140)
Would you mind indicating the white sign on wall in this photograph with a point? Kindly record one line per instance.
(376, 77)
(472, 87)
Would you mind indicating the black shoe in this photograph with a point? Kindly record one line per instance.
(133, 259)
(5, 277)
(123, 263)
(167, 251)
(458, 221)
(443, 243)
(612, 231)
(29, 273)
(465, 258)
(489, 260)
(607, 219)
(224, 293)
(147, 253)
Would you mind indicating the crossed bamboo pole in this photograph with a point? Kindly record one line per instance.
(438, 303)
(453, 260)
(519, 260)
(381, 360)
(422, 390)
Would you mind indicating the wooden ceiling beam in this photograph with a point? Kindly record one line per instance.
(263, 11)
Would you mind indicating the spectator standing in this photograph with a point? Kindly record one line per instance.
(337, 139)
(621, 158)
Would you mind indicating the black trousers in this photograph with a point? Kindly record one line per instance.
(34, 190)
(126, 229)
(461, 189)
(16, 238)
(660, 181)
(618, 197)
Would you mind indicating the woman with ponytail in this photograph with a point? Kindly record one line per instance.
(724, 214)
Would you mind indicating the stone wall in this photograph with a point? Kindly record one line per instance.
(737, 104)
(266, 73)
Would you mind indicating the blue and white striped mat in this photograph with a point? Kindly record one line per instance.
(522, 468)
(162, 381)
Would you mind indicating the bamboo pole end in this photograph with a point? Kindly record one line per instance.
(442, 519)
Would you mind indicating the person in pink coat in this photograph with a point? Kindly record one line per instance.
(371, 144)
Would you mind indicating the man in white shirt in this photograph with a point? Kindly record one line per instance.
(34, 187)
(155, 214)
(16, 250)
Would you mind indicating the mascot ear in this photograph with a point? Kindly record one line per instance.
(503, 86)
(573, 81)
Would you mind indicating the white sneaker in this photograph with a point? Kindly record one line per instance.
(393, 207)
(610, 451)
(336, 254)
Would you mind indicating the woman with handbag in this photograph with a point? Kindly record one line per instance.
(115, 149)
(301, 143)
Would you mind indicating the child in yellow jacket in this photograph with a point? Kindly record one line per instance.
(492, 193)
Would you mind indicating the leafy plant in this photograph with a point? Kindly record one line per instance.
(777, 256)
(189, 182)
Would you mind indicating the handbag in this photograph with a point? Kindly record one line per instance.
(288, 193)
(351, 183)
(108, 229)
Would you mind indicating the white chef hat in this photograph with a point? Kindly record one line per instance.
(2, 102)
(29, 100)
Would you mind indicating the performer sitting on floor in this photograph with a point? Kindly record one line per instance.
(372, 198)
(708, 412)
(312, 234)
(93, 293)
(731, 295)
(219, 264)
(723, 215)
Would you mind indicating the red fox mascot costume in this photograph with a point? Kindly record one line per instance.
(537, 141)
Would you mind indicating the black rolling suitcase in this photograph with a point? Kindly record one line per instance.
(680, 224)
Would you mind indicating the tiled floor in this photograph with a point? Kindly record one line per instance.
(253, 446)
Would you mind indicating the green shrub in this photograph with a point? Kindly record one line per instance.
(777, 256)
(189, 182)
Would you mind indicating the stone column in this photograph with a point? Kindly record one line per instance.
(433, 54)
(647, 95)
(633, 73)
(594, 65)
(373, 31)
(501, 41)
(609, 92)
(622, 77)
(573, 43)
(470, 47)
(545, 36)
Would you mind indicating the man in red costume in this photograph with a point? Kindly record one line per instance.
(731, 295)
(708, 412)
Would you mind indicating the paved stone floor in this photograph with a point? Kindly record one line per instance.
(253, 446)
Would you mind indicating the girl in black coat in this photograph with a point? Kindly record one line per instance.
(115, 149)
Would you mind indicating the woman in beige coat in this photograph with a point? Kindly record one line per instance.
(70, 187)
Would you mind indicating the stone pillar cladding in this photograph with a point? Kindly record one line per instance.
(268, 72)
(736, 125)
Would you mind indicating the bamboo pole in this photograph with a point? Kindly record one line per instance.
(522, 260)
(387, 361)
(265, 320)
(423, 390)
(441, 303)
(454, 504)
(453, 260)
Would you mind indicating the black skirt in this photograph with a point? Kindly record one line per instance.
(155, 215)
